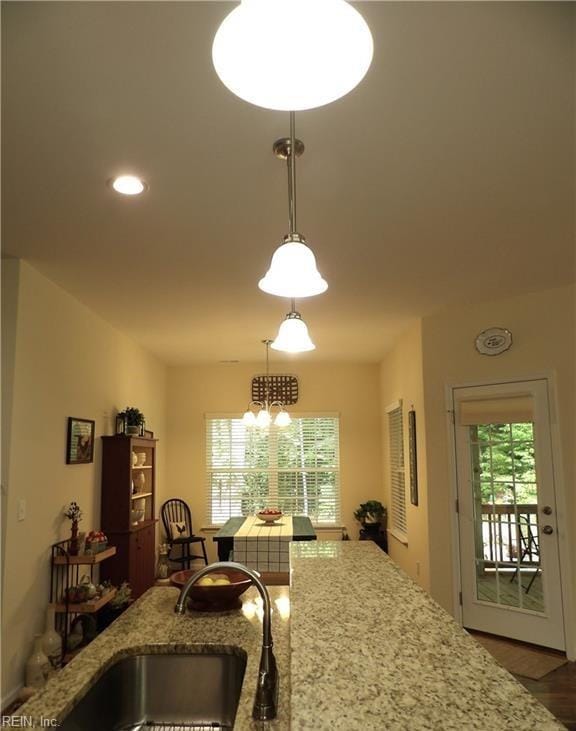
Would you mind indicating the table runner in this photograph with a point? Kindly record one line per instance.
(264, 547)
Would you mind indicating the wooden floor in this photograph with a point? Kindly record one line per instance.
(556, 691)
(508, 590)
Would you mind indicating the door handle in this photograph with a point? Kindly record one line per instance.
(547, 510)
(547, 530)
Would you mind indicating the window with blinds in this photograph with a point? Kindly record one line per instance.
(295, 468)
(398, 521)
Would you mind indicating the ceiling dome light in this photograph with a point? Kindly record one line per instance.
(293, 271)
(327, 51)
(293, 335)
(128, 185)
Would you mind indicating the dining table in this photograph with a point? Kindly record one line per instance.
(260, 545)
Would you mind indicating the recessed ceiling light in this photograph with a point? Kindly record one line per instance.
(129, 185)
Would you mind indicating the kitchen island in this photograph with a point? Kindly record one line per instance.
(371, 650)
(367, 649)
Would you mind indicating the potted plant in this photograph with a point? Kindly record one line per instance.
(372, 515)
(135, 420)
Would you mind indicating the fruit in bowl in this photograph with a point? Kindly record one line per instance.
(269, 515)
(215, 592)
(96, 541)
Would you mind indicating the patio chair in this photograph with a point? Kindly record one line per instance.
(177, 521)
(528, 547)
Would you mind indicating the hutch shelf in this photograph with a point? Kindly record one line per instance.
(128, 496)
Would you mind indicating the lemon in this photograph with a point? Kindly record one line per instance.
(205, 581)
(221, 582)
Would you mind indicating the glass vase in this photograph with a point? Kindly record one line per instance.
(38, 667)
(52, 641)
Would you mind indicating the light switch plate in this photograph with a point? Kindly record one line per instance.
(21, 509)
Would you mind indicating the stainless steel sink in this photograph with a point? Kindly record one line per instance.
(163, 691)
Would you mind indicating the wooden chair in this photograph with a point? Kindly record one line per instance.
(177, 521)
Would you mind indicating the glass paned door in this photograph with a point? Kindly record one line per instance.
(508, 569)
(508, 540)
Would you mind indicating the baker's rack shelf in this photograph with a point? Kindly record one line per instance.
(88, 607)
(64, 574)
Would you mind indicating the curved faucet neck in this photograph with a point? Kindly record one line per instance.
(266, 701)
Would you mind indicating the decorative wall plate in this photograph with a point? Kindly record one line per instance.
(493, 341)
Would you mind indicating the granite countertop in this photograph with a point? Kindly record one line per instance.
(367, 649)
(151, 625)
(371, 650)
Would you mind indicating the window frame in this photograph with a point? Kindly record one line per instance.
(399, 532)
(210, 525)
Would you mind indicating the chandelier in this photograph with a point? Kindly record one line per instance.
(329, 51)
(264, 413)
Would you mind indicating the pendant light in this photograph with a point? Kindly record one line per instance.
(293, 271)
(327, 51)
(264, 413)
(293, 336)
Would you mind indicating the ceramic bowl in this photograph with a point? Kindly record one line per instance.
(136, 515)
(216, 598)
(269, 517)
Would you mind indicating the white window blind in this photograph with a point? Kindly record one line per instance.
(294, 468)
(398, 521)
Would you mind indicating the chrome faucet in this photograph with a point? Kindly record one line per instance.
(266, 700)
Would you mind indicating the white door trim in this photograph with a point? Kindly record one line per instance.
(565, 558)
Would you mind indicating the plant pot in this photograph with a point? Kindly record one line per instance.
(371, 529)
(133, 431)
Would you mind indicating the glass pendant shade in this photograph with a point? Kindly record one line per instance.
(282, 418)
(292, 54)
(263, 418)
(293, 336)
(249, 418)
(293, 271)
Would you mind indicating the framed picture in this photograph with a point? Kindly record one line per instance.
(413, 457)
(80, 442)
(148, 434)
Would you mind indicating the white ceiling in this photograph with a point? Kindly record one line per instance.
(445, 177)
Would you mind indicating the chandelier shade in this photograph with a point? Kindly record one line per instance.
(293, 271)
(249, 418)
(293, 336)
(282, 418)
(328, 51)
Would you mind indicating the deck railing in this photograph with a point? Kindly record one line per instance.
(510, 533)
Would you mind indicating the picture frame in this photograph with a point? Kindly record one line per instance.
(80, 441)
(148, 434)
(413, 457)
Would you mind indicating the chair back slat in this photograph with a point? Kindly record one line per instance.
(176, 510)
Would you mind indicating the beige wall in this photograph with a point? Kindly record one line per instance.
(68, 362)
(351, 390)
(401, 377)
(543, 328)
